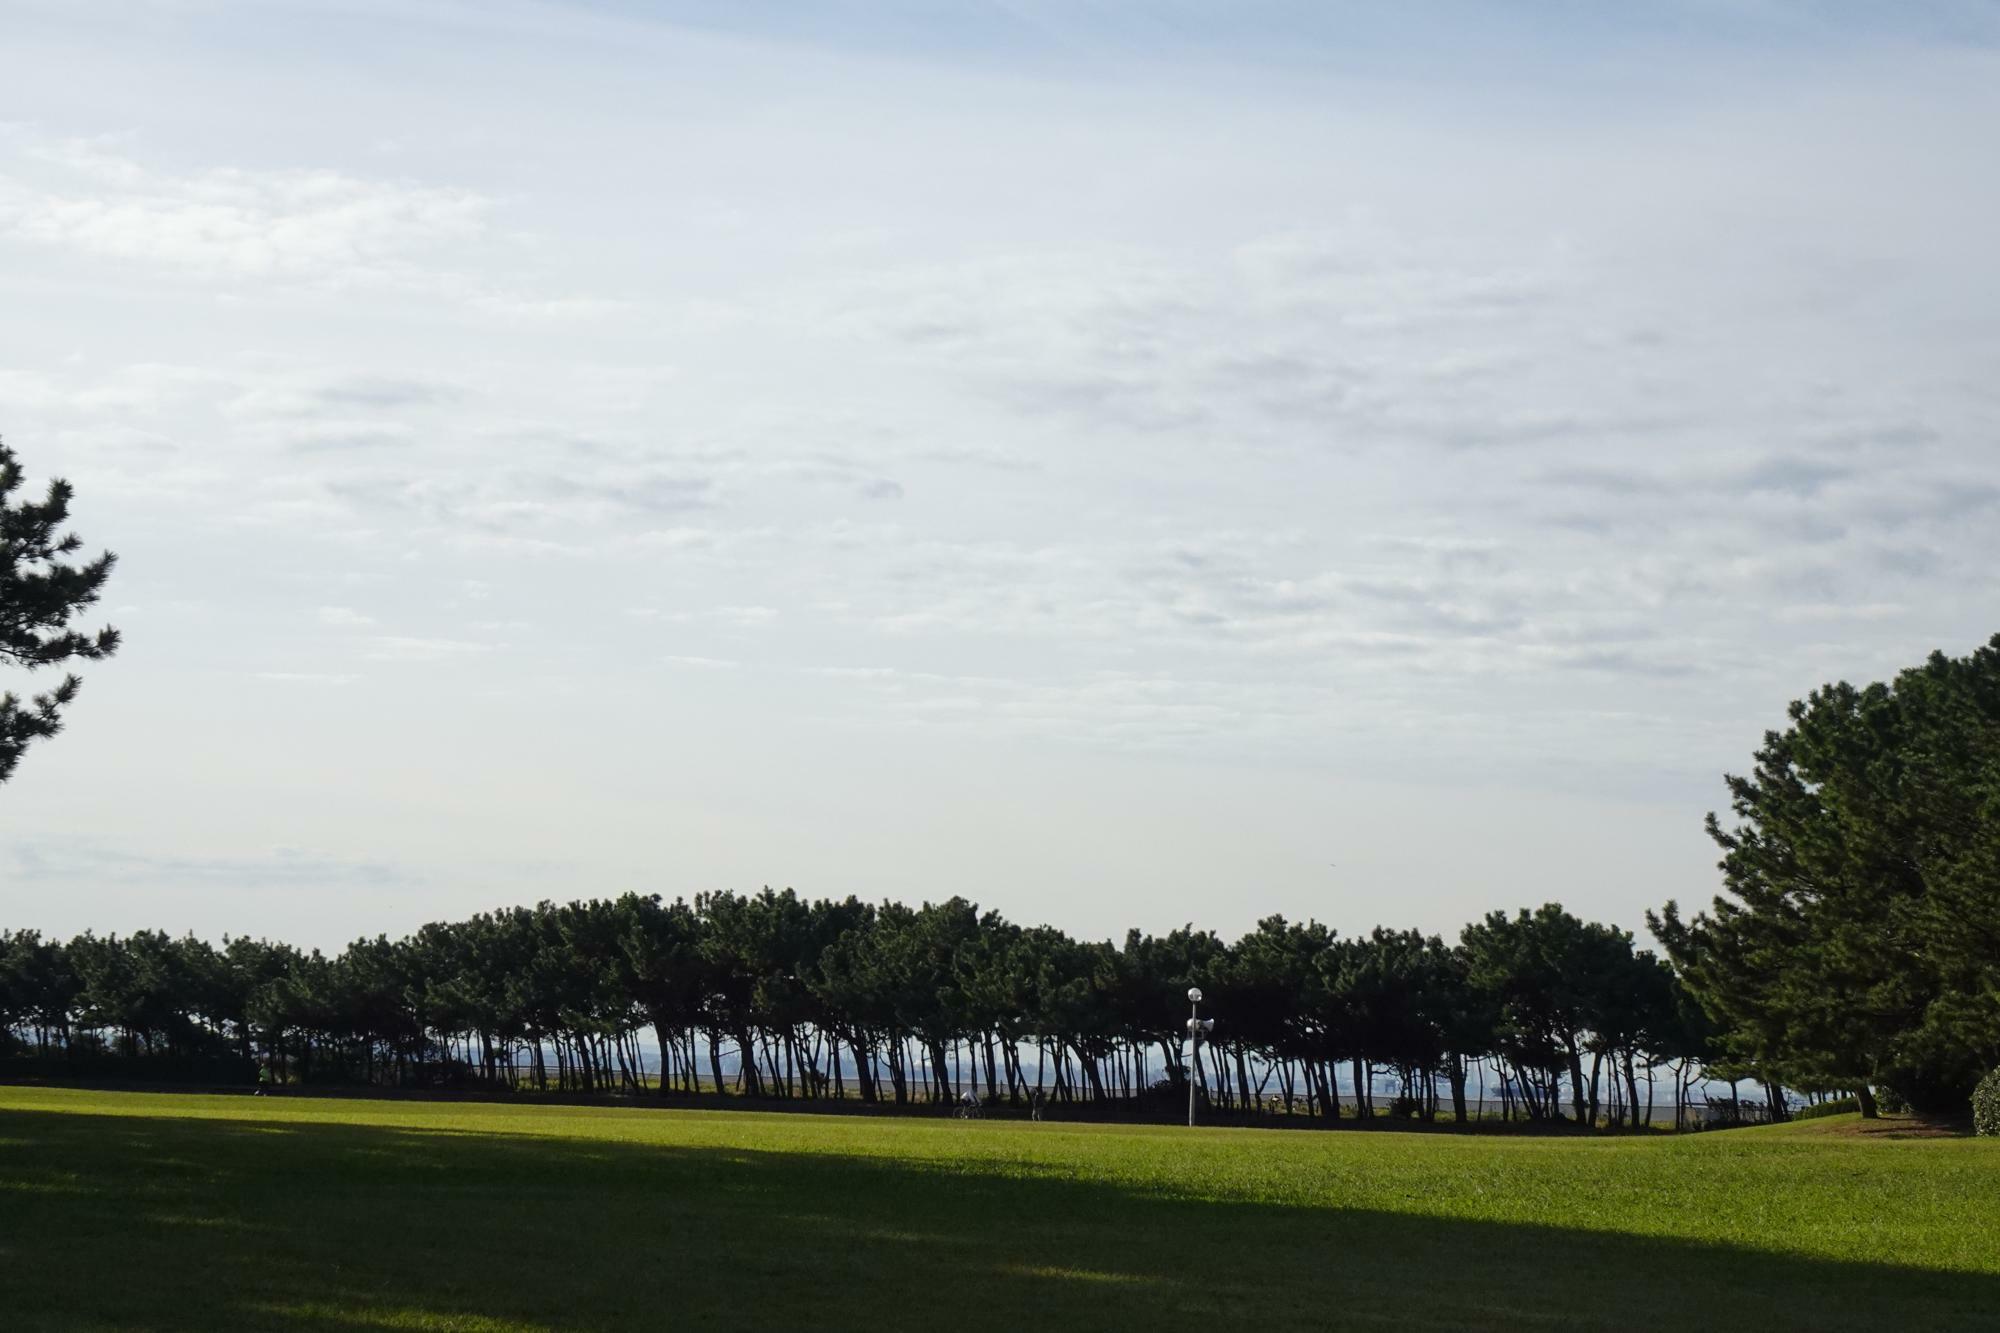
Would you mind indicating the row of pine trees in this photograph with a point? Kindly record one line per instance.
(773, 995)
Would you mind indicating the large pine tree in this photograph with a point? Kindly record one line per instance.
(1858, 940)
(41, 592)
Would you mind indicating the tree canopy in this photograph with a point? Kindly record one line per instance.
(41, 592)
(785, 997)
(1857, 940)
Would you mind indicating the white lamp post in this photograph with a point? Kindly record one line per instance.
(1198, 1027)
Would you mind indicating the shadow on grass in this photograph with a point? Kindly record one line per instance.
(115, 1222)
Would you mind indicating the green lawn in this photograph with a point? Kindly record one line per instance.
(155, 1211)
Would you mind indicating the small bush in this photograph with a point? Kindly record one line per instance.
(1838, 1106)
(1890, 1101)
(1986, 1106)
(1405, 1108)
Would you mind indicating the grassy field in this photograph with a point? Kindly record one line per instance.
(158, 1211)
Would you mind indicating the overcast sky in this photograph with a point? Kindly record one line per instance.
(1120, 463)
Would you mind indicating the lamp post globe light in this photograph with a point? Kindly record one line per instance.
(1198, 1027)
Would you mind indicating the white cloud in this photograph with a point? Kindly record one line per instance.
(64, 861)
(300, 224)
(401, 648)
(1822, 612)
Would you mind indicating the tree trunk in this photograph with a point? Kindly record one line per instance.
(1576, 1083)
(940, 1073)
(1092, 1076)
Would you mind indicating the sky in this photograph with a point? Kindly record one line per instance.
(1127, 464)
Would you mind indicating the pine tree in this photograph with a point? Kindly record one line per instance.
(1858, 939)
(40, 592)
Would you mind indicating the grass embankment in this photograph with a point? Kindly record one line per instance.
(153, 1210)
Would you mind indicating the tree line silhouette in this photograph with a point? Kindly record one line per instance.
(772, 995)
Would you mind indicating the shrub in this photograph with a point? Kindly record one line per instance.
(1838, 1106)
(1405, 1108)
(1986, 1106)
